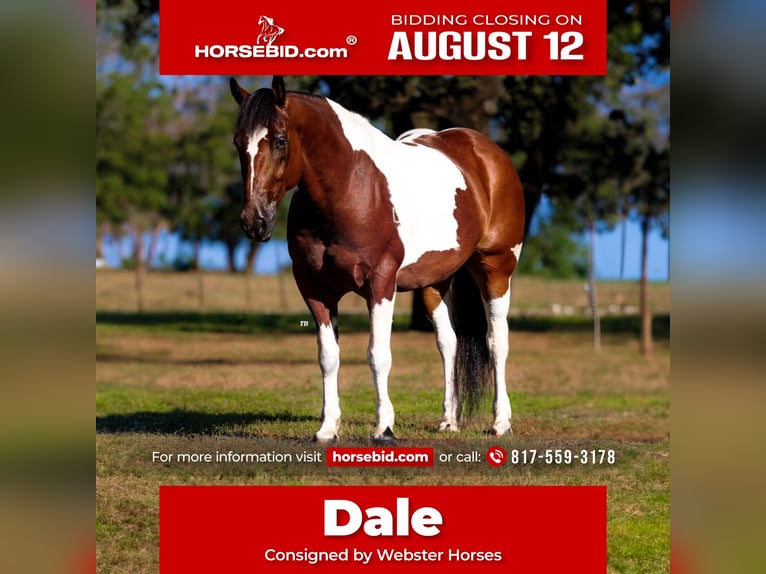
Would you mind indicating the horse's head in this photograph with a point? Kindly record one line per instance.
(268, 156)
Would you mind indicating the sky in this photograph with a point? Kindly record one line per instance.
(608, 249)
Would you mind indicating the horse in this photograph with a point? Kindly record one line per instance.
(269, 30)
(441, 211)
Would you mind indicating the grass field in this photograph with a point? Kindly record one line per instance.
(241, 375)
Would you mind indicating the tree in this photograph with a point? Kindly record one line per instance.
(651, 203)
(131, 159)
(133, 115)
(644, 176)
(225, 225)
(202, 168)
(536, 122)
(540, 113)
(588, 178)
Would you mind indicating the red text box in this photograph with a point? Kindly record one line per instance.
(377, 529)
(232, 37)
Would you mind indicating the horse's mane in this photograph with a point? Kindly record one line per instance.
(258, 111)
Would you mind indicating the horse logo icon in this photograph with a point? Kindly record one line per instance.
(269, 30)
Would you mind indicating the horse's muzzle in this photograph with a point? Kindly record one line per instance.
(256, 227)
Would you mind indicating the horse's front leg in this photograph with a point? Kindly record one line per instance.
(326, 317)
(381, 307)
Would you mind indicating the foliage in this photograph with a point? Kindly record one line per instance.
(173, 172)
(552, 252)
(136, 20)
(202, 169)
(133, 151)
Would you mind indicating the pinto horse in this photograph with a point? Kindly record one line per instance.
(442, 211)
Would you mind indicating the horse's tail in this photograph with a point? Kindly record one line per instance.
(472, 359)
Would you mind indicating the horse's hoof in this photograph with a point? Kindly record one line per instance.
(324, 440)
(385, 439)
(448, 427)
(505, 430)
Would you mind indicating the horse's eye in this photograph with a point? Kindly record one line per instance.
(280, 141)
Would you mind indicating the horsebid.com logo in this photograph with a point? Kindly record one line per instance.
(264, 46)
(269, 30)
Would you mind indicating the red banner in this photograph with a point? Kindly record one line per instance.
(290, 529)
(232, 37)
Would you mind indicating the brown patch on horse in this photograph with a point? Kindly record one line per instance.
(487, 225)
(504, 227)
(342, 241)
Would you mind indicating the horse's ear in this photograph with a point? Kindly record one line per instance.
(278, 85)
(238, 91)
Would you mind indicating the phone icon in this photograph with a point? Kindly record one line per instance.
(496, 456)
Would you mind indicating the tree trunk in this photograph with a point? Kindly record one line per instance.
(646, 344)
(100, 243)
(138, 265)
(248, 293)
(200, 278)
(153, 240)
(592, 287)
(668, 265)
(623, 210)
(622, 247)
(100, 246)
(251, 254)
(231, 249)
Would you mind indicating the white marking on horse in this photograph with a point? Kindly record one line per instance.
(329, 362)
(252, 150)
(446, 341)
(379, 357)
(423, 184)
(516, 250)
(414, 133)
(497, 343)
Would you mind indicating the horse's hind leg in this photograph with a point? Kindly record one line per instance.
(380, 304)
(494, 277)
(497, 343)
(437, 307)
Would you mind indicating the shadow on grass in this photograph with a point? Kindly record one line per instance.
(122, 358)
(626, 324)
(249, 323)
(183, 422)
(252, 323)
